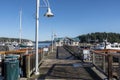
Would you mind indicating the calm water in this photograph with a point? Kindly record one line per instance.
(41, 45)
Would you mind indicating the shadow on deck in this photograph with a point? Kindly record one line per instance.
(62, 65)
(68, 71)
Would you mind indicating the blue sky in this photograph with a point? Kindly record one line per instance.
(72, 18)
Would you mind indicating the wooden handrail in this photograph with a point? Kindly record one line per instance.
(107, 52)
(13, 51)
(20, 51)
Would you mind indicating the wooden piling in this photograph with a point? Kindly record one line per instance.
(119, 69)
(110, 67)
(93, 58)
(104, 63)
(28, 66)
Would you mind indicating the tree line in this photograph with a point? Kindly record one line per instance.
(5, 39)
(99, 37)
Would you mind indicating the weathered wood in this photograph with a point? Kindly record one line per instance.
(107, 50)
(109, 54)
(119, 68)
(104, 63)
(27, 66)
(93, 58)
(110, 67)
(99, 52)
(104, 51)
(13, 52)
(65, 67)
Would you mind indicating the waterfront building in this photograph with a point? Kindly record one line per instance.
(67, 41)
(59, 41)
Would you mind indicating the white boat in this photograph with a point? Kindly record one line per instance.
(107, 45)
(30, 43)
(2, 44)
(27, 44)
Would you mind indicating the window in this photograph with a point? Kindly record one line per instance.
(116, 45)
(112, 46)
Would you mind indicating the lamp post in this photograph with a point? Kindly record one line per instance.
(48, 14)
(20, 26)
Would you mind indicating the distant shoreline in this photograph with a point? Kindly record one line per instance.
(44, 41)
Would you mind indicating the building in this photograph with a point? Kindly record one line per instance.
(59, 41)
(67, 41)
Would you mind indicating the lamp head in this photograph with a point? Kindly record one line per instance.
(49, 13)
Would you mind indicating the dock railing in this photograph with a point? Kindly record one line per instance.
(108, 62)
(28, 65)
(26, 60)
(73, 50)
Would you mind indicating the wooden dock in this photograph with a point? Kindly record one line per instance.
(62, 65)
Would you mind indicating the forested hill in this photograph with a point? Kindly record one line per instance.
(99, 37)
(5, 39)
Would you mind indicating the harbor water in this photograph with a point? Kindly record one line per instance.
(44, 44)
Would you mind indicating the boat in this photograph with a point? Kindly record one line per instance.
(27, 44)
(23, 44)
(108, 45)
(2, 44)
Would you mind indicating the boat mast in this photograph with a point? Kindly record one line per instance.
(106, 41)
(20, 26)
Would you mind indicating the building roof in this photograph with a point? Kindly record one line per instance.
(58, 39)
(76, 39)
(71, 39)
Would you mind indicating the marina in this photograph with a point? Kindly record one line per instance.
(71, 40)
(66, 62)
(108, 45)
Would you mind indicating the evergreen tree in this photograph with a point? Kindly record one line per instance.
(99, 37)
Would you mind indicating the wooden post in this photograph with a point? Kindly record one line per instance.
(26, 51)
(93, 58)
(104, 63)
(110, 59)
(119, 69)
(28, 66)
(57, 56)
(41, 55)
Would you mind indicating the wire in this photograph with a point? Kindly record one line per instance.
(48, 3)
(45, 3)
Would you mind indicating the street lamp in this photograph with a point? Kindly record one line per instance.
(48, 14)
